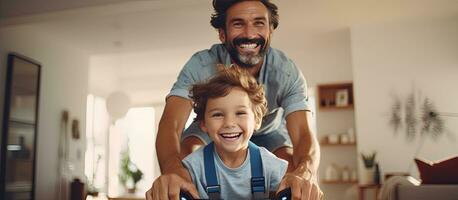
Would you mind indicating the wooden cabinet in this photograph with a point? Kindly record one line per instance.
(335, 96)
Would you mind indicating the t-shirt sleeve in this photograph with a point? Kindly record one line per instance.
(275, 167)
(188, 165)
(186, 78)
(277, 174)
(295, 93)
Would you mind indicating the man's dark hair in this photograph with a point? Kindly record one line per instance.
(218, 18)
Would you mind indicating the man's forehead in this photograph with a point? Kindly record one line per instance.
(251, 9)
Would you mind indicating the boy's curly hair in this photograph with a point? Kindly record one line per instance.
(220, 86)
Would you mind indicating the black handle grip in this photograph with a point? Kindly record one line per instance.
(284, 194)
(184, 195)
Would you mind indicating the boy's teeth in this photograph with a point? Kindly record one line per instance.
(230, 134)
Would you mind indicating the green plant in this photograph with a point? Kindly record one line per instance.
(129, 174)
(368, 160)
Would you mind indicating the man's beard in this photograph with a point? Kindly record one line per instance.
(250, 59)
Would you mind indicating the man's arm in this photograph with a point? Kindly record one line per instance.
(306, 150)
(305, 159)
(174, 176)
(171, 125)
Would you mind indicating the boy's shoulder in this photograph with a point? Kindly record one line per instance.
(270, 158)
(195, 157)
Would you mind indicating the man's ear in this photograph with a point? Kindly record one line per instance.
(222, 35)
(202, 126)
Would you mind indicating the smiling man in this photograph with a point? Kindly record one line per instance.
(245, 29)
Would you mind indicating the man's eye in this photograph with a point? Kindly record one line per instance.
(237, 24)
(259, 23)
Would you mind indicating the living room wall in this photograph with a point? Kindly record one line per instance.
(63, 86)
(394, 61)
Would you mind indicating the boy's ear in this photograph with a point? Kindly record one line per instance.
(258, 125)
(202, 126)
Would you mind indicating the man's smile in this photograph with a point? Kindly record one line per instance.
(245, 45)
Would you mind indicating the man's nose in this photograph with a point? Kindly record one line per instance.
(250, 32)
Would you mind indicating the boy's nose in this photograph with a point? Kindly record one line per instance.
(229, 122)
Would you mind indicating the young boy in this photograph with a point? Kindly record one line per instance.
(229, 108)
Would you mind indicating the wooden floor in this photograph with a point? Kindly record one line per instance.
(122, 197)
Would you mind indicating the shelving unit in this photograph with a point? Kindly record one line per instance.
(335, 116)
(324, 144)
(335, 96)
(339, 182)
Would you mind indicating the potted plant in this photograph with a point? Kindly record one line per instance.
(129, 174)
(367, 175)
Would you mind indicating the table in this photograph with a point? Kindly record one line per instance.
(363, 188)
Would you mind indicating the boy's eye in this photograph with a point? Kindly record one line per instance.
(217, 115)
(241, 113)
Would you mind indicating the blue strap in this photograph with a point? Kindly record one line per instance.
(257, 177)
(213, 188)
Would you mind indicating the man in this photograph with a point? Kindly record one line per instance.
(245, 29)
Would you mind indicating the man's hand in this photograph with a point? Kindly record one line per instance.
(301, 188)
(303, 165)
(168, 186)
(175, 176)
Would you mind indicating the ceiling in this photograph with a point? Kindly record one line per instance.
(105, 26)
(145, 32)
(16, 8)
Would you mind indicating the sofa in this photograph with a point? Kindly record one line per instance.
(409, 188)
(427, 192)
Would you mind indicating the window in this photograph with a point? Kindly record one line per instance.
(107, 140)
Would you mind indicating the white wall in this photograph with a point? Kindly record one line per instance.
(63, 86)
(323, 58)
(396, 59)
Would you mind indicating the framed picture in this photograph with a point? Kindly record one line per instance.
(342, 98)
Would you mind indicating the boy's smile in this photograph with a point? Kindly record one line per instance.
(231, 134)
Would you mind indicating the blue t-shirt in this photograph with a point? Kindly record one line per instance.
(235, 183)
(284, 84)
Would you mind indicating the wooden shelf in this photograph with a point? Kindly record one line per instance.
(18, 123)
(337, 96)
(337, 144)
(330, 108)
(338, 182)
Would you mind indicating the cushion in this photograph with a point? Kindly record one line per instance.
(441, 172)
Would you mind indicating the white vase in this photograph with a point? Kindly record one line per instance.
(332, 173)
(367, 176)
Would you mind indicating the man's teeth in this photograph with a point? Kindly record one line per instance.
(249, 46)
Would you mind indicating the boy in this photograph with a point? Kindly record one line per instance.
(229, 108)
